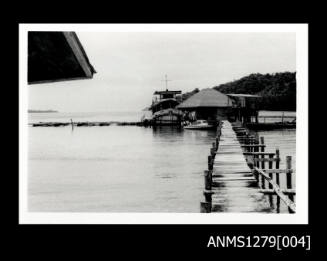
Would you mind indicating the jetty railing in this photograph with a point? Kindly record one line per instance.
(264, 166)
(281, 117)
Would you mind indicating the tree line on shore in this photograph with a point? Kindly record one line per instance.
(277, 91)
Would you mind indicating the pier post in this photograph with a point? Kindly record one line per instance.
(262, 141)
(208, 179)
(277, 181)
(210, 165)
(277, 166)
(205, 207)
(71, 120)
(263, 182)
(217, 144)
(212, 152)
(214, 146)
(270, 166)
(289, 178)
(289, 175)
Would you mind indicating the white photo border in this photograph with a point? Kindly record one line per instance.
(301, 215)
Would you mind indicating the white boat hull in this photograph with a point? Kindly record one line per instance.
(208, 127)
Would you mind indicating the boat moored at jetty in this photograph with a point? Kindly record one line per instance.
(163, 111)
(200, 125)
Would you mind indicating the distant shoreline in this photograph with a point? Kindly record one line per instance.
(42, 111)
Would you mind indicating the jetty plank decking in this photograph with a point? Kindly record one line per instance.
(235, 188)
(241, 176)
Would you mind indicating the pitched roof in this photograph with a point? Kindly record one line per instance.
(206, 98)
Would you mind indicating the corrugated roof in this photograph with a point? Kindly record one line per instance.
(206, 98)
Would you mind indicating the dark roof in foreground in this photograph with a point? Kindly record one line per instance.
(56, 56)
(206, 98)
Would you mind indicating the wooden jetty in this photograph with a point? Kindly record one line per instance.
(242, 177)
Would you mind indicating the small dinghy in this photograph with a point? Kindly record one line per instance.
(199, 125)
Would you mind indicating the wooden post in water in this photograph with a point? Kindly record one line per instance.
(277, 181)
(262, 141)
(277, 166)
(289, 177)
(214, 146)
(217, 144)
(210, 166)
(263, 181)
(205, 207)
(212, 152)
(208, 179)
(72, 124)
(288, 173)
(270, 166)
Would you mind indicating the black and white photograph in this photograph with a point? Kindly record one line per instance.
(163, 123)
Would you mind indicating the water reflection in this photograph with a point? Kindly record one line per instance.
(166, 131)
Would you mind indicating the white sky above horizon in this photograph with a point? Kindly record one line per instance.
(131, 66)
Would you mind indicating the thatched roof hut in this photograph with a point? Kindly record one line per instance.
(206, 98)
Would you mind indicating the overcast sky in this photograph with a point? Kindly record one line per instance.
(131, 66)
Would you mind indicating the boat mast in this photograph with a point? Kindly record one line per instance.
(166, 80)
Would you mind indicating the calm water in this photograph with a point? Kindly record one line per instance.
(122, 168)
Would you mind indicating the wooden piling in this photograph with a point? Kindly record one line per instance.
(263, 182)
(208, 195)
(270, 166)
(277, 167)
(210, 165)
(288, 173)
(212, 152)
(205, 207)
(277, 181)
(72, 124)
(214, 146)
(208, 179)
(262, 141)
(289, 176)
